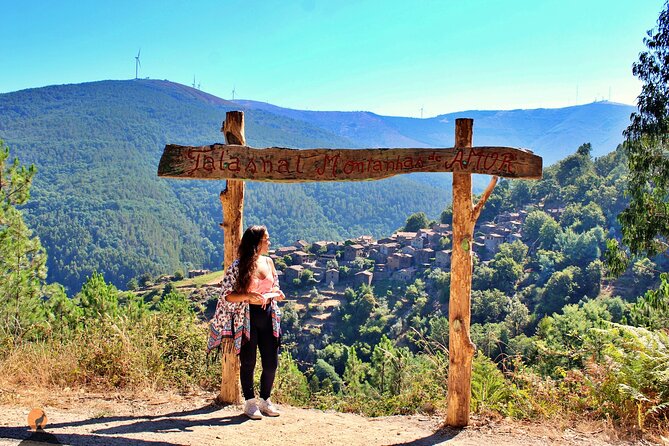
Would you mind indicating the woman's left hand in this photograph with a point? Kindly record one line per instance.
(281, 296)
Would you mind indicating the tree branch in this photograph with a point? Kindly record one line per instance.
(479, 206)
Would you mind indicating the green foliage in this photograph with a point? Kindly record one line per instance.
(22, 258)
(534, 222)
(98, 205)
(652, 309)
(325, 372)
(581, 218)
(335, 354)
(489, 305)
(97, 298)
(645, 226)
(565, 340)
(291, 386)
(416, 221)
(635, 386)
(491, 392)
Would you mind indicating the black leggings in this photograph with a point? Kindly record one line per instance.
(262, 338)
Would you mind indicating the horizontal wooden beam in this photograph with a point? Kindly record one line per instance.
(219, 162)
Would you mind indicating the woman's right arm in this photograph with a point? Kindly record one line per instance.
(228, 292)
(251, 297)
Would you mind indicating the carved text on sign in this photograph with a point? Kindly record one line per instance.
(220, 161)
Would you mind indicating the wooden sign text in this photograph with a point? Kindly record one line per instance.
(220, 161)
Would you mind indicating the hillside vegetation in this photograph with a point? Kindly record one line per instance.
(555, 338)
(98, 205)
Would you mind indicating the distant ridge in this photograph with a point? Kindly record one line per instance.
(551, 133)
(98, 205)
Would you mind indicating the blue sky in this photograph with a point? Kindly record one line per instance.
(389, 57)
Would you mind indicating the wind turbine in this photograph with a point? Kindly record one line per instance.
(233, 93)
(193, 81)
(137, 64)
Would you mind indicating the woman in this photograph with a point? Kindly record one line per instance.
(248, 312)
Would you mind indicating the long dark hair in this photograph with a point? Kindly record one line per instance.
(248, 253)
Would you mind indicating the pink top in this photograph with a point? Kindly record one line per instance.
(263, 285)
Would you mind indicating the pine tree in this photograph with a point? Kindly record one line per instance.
(22, 257)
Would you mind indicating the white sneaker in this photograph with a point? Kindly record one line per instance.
(251, 409)
(267, 408)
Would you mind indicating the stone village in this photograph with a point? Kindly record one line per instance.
(403, 256)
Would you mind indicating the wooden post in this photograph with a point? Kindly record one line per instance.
(236, 163)
(460, 347)
(232, 200)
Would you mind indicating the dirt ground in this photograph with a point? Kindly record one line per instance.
(77, 418)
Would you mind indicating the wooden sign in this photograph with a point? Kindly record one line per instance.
(238, 162)
(219, 161)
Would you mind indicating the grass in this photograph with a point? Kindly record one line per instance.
(214, 277)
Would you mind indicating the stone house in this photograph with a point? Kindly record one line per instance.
(408, 250)
(365, 240)
(418, 242)
(389, 248)
(293, 272)
(299, 257)
(332, 247)
(376, 255)
(197, 272)
(442, 258)
(302, 245)
(405, 274)
(380, 272)
(331, 277)
(285, 250)
(319, 246)
(353, 251)
(319, 272)
(492, 241)
(363, 278)
(399, 261)
(405, 237)
(423, 255)
(441, 228)
(323, 259)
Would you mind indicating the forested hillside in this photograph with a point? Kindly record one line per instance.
(543, 310)
(98, 205)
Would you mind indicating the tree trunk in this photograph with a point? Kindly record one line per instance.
(232, 200)
(460, 347)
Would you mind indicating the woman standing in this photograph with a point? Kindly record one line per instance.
(248, 312)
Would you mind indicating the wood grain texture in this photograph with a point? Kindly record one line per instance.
(232, 201)
(460, 347)
(218, 161)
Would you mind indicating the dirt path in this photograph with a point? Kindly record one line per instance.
(112, 420)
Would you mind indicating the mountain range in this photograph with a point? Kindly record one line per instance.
(98, 205)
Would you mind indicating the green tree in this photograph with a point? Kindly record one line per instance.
(355, 371)
(520, 193)
(324, 371)
(561, 289)
(645, 226)
(416, 221)
(97, 298)
(488, 306)
(22, 257)
(446, 216)
(574, 166)
(532, 226)
(335, 354)
(582, 218)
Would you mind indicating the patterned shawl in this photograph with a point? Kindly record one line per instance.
(232, 319)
